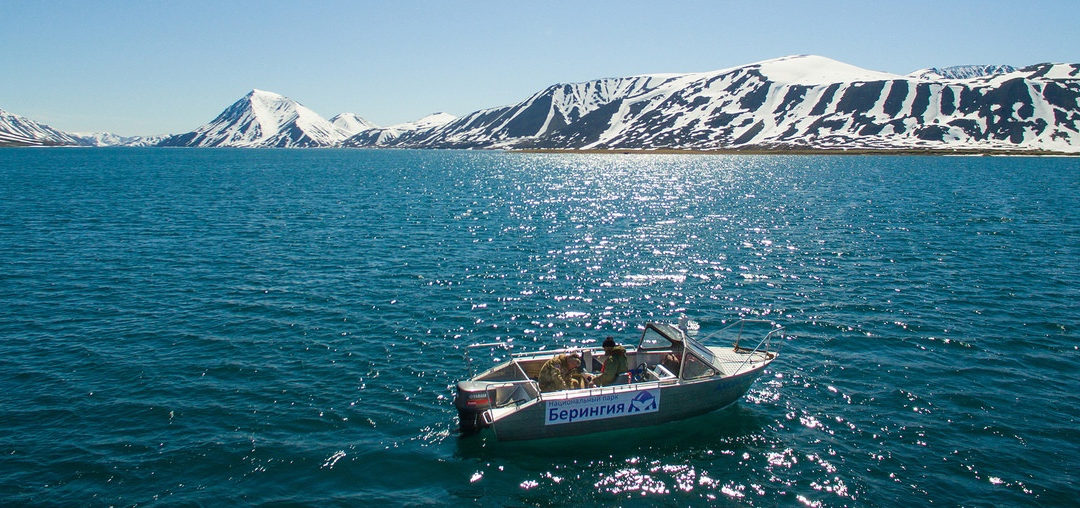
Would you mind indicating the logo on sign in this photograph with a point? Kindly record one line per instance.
(643, 403)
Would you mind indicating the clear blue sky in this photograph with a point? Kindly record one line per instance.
(156, 67)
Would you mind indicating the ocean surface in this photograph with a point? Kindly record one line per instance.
(223, 326)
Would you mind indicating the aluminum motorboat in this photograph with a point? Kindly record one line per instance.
(672, 375)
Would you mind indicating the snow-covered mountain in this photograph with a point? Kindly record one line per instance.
(16, 130)
(545, 112)
(786, 103)
(351, 123)
(110, 139)
(262, 119)
(382, 136)
(101, 138)
(962, 72)
(796, 102)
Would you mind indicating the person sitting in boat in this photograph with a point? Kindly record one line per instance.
(671, 363)
(563, 372)
(615, 363)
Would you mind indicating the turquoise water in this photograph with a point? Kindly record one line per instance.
(260, 326)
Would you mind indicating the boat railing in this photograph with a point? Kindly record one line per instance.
(764, 347)
(573, 350)
(604, 390)
(584, 353)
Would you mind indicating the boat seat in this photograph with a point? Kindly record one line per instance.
(662, 372)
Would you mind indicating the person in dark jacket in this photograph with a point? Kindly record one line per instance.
(615, 363)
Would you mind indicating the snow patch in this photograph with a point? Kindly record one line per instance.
(817, 70)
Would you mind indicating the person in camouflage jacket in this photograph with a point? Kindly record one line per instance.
(562, 372)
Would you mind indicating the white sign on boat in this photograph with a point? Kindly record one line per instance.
(598, 407)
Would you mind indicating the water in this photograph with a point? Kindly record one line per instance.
(260, 326)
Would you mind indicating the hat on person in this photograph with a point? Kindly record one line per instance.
(609, 342)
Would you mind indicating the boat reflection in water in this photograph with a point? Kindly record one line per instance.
(673, 376)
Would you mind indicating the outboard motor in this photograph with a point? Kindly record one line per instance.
(472, 399)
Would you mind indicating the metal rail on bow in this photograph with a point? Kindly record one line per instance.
(764, 346)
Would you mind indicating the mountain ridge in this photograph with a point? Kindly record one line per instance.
(795, 102)
(788, 103)
(962, 71)
(17, 130)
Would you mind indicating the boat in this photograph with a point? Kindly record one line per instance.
(673, 375)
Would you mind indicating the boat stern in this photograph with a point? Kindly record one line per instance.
(471, 400)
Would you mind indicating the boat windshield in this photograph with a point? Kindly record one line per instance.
(692, 362)
(700, 362)
(660, 337)
(700, 350)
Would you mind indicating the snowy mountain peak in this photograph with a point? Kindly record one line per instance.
(351, 123)
(427, 122)
(263, 119)
(434, 120)
(264, 95)
(817, 70)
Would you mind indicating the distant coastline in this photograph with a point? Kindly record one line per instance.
(959, 152)
(966, 152)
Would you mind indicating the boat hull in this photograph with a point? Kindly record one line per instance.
(632, 406)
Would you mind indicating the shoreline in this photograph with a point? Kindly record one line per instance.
(963, 152)
(959, 152)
